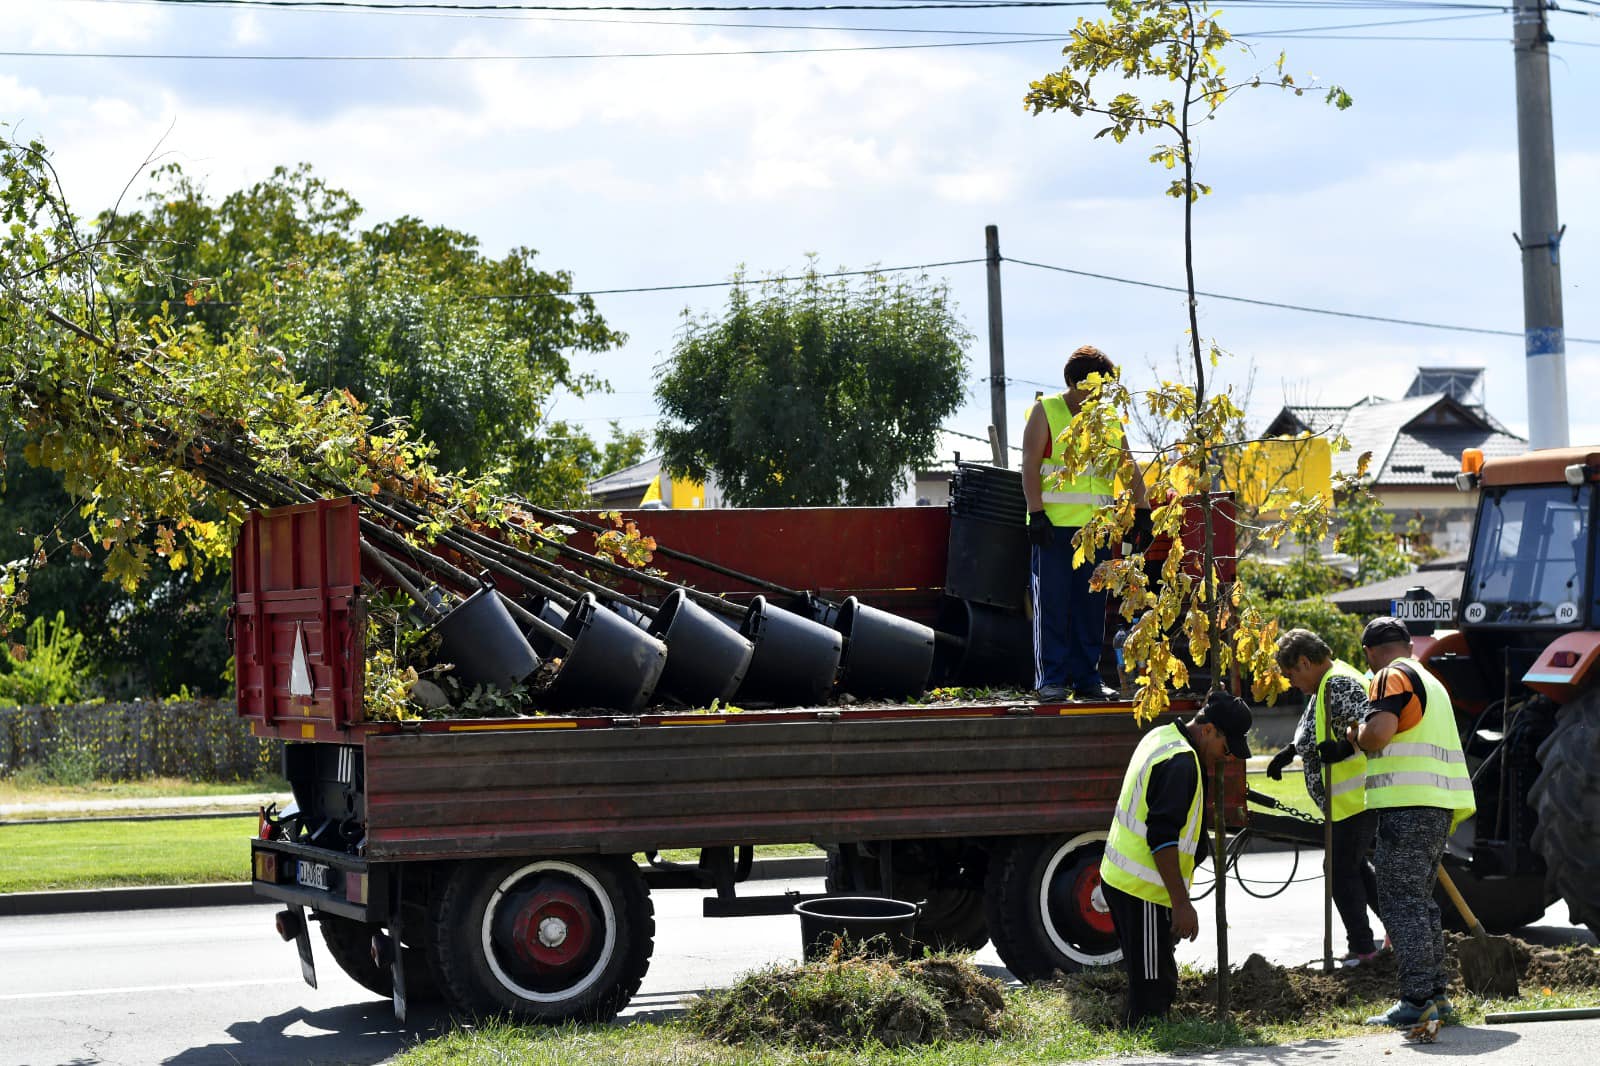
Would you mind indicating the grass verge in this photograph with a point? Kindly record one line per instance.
(13, 790)
(1290, 791)
(107, 854)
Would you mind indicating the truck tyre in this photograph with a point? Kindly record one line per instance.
(1046, 912)
(544, 940)
(951, 919)
(1566, 798)
(349, 942)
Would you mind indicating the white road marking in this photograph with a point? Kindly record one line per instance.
(131, 990)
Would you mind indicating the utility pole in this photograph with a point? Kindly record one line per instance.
(1540, 239)
(997, 352)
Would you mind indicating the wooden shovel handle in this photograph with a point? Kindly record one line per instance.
(1467, 916)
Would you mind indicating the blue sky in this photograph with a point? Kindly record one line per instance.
(657, 171)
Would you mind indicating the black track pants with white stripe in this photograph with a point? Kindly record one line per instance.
(1144, 930)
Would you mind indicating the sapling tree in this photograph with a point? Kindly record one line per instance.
(1155, 68)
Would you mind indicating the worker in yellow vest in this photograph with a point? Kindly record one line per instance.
(1157, 836)
(1417, 781)
(1068, 619)
(1336, 699)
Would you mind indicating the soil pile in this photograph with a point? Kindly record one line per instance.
(847, 1001)
(1262, 993)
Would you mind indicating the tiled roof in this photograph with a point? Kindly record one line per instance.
(1432, 456)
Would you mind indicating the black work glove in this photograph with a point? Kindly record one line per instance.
(1143, 531)
(1039, 529)
(1332, 751)
(1279, 761)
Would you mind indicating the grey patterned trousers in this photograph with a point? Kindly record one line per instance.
(1410, 844)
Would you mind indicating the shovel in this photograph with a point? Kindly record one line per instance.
(1488, 963)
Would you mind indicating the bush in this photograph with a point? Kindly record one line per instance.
(45, 668)
(1341, 631)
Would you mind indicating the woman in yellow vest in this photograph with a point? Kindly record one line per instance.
(1336, 699)
(1417, 781)
(1157, 835)
(1068, 619)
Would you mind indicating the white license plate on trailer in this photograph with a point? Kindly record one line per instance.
(1423, 610)
(311, 874)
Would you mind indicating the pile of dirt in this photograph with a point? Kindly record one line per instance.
(1263, 993)
(848, 1001)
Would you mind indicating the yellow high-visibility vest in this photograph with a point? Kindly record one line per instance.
(1347, 777)
(1423, 766)
(1073, 503)
(1128, 863)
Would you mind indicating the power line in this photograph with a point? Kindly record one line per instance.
(1286, 306)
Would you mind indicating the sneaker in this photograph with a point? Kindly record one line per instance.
(1051, 694)
(1404, 1013)
(1360, 958)
(1095, 691)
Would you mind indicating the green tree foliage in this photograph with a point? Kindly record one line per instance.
(413, 319)
(1367, 536)
(46, 667)
(813, 393)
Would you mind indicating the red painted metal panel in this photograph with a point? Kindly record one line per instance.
(296, 579)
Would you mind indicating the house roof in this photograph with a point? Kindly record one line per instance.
(1414, 441)
(639, 475)
(1375, 598)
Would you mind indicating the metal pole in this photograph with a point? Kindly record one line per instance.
(997, 351)
(1540, 239)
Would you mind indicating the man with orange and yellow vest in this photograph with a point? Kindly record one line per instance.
(1157, 836)
(1417, 781)
(1068, 619)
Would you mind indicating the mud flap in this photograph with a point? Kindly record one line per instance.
(397, 965)
(302, 946)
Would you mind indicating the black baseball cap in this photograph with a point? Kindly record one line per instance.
(1232, 718)
(1385, 631)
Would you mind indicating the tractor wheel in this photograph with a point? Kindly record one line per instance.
(951, 919)
(544, 940)
(1566, 797)
(350, 944)
(1045, 906)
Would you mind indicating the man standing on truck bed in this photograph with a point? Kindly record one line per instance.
(1068, 619)
(1418, 783)
(1156, 838)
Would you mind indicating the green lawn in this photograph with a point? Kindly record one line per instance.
(1043, 1029)
(1291, 790)
(105, 854)
(18, 788)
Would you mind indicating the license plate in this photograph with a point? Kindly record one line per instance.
(311, 874)
(1423, 610)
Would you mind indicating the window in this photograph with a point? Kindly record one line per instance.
(1530, 556)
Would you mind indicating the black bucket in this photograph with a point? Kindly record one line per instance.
(795, 659)
(553, 614)
(632, 614)
(611, 663)
(705, 659)
(864, 923)
(482, 640)
(992, 646)
(884, 654)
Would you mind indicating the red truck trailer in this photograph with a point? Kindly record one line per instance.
(492, 862)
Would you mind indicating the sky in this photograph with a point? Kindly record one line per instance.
(636, 171)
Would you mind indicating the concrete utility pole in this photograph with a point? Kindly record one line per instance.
(997, 352)
(1540, 239)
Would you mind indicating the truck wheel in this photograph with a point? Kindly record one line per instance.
(545, 940)
(350, 944)
(951, 919)
(1566, 798)
(1046, 912)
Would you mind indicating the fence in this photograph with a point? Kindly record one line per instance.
(197, 739)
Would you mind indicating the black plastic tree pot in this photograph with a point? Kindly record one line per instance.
(992, 646)
(705, 659)
(884, 655)
(612, 663)
(863, 923)
(553, 613)
(482, 640)
(795, 660)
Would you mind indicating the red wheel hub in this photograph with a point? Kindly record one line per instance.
(552, 928)
(1090, 900)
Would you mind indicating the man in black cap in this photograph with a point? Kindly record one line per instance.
(1417, 782)
(1157, 836)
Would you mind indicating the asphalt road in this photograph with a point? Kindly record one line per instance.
(216, 985)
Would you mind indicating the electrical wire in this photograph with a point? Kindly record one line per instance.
(1286, 306)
